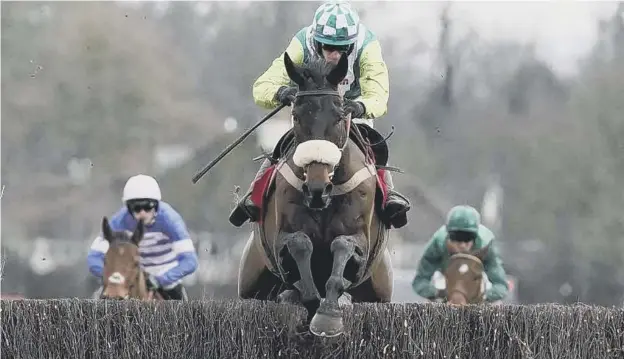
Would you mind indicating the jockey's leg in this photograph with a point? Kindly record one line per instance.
(397, 205)
(245, 209)
(176, 293)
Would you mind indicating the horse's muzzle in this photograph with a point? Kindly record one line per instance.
(317, 194)
(114, 296)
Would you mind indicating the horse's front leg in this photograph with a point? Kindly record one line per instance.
(328, 318)
(300, 247)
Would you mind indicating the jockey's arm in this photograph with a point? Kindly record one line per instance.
(99, 247)
(183, 248)
(496, 275)
(374, 81)
(95, 257)
(429, 263)
(275, 76)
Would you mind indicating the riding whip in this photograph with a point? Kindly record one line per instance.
(229, 148)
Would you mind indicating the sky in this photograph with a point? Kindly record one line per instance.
(563, 31)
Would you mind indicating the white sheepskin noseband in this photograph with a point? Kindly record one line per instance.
(321, 151)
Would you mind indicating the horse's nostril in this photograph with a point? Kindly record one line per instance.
(305, 189)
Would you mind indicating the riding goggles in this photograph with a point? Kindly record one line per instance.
(339, 48)
(344, 49)
(461, 236)
(136, 206)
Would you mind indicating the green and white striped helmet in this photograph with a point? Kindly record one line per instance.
(336, 23)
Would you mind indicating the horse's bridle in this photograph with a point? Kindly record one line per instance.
(318, 93)
(327, 92)
(463, 293)
(130, 287)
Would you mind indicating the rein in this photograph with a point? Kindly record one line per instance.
(369, 170)
(318, 93)
(286, 171)
(357, 132)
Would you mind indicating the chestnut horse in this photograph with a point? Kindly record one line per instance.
(122, 274)
(465, 283)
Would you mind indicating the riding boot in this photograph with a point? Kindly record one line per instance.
(245, 208)
(176, 293)
(397, 205)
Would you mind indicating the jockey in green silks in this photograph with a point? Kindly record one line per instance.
(335, 30)
(464, 232)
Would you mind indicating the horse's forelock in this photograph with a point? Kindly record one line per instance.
(315, 72)
(121, 237)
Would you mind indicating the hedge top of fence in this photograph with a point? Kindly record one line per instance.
(253, 329)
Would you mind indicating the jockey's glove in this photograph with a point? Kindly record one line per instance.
(286, 95)
(356, 108)
(152, 282)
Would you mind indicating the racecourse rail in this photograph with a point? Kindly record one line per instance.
(77, 328)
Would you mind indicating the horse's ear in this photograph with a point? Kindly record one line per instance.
(339, 72)
(291, 69)
(483, 252)
(137, 235)
(107, 232)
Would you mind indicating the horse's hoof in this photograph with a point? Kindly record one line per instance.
(289, 296)
(328, 326)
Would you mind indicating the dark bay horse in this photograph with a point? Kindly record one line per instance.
(122, 275)
(465, 283)
(319, 236)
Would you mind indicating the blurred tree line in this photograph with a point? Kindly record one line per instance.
(106, 83)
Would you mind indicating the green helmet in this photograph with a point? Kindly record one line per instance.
(336, 23)
(463, 218)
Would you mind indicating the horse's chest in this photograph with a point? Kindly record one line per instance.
(324, 226)
(344, 222)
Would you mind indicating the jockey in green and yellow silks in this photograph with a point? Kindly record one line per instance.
(335, 30)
